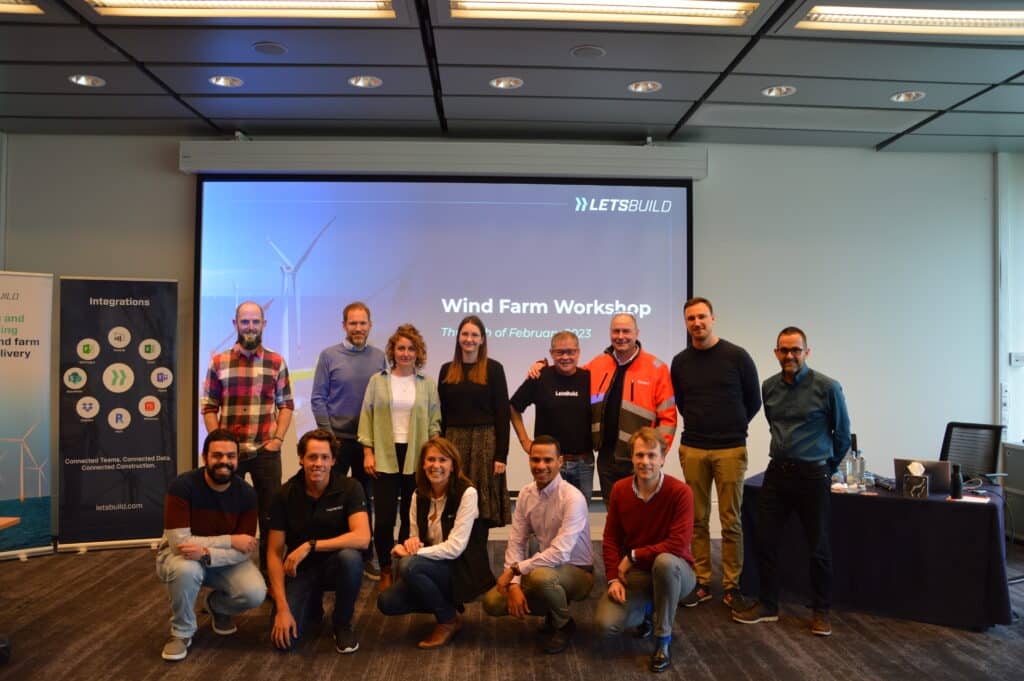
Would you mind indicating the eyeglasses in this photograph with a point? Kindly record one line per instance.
(565, 353)
(796, 352)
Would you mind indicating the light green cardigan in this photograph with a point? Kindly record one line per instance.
(377, 432)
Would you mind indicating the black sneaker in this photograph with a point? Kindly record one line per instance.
(345, 641)
(755, 613)
(222, 624)
(735, 600)
(559, 639)
(371, 570)
(700, 593)
(645, 629)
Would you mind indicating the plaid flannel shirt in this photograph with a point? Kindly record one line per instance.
(247, 391)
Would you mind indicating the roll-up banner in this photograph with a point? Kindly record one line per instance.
(117, 407)
(26, 307)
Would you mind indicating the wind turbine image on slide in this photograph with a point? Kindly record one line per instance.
(32, 466)
(290, 290)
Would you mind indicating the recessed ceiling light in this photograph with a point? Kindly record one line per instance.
(86, 80)
(227, 81)
(907, 96)
(588, 52)
(365, 81)
(902, 20)
(644, 86)
(19, 7)
(699, 12)
(779, 91)
(269, 47)
(507, 83)
(334, 9)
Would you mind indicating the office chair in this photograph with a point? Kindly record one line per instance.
(975, 446)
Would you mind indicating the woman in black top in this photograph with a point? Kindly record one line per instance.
(475, 417)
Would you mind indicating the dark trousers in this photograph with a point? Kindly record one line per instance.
(610, 471)
(342, 573)
(392, 497)
(265, 469)
(423, 585)
(350, 457)
(803, 488)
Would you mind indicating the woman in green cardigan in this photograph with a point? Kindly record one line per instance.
(400, 412)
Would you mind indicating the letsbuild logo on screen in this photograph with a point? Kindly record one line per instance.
(585, 204)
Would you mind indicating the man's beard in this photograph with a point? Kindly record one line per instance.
(220, 473)
(252, 344)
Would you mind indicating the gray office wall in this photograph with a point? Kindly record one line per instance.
(886, 260)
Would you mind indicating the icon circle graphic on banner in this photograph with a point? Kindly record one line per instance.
(161, 377)
(119, 418)
(119, 337)
(75, 378)
(149, 349)
(149, 406)
(118, 378)
(88, 348)
(87, 407)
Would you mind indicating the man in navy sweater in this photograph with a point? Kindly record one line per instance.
(647, 556)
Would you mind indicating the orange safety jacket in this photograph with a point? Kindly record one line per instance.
(647, 399)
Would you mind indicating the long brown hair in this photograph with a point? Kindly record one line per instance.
(457, 370)
(448, 449)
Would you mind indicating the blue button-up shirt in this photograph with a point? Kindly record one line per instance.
(807, 418)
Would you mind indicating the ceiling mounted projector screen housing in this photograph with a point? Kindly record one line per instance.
(531, 258)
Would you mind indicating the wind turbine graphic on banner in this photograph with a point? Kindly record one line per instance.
(34, 465)
(290, 289)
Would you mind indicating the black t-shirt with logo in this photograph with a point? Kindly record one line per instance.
(301, 517)
(563, 407)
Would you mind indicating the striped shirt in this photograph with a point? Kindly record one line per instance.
(246, 391)
(196, 513)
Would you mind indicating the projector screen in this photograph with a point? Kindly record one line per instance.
(531, 258)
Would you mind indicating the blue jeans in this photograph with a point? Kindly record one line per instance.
(342, 573)
(236, 588)
(580, 474)
(423, 585)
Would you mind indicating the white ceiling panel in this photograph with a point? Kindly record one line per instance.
(887, 61)
(985, 124)
(840, 92)
(805, 118)
(1005, 99)
(829, 138)
(178, 127)
(383, 108)
(122, 79)
(557, 130)
(36, 43)
(328, 127)
(556, 109)
(175, 45)
(573, 83)
(958, 143)
(633, 51)
(296, 80)
(93, 106)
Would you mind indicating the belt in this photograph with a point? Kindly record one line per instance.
(589, 456)
(797, 465)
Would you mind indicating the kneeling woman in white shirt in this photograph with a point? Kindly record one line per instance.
(443, 563)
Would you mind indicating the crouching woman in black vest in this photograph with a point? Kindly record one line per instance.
(443, 563)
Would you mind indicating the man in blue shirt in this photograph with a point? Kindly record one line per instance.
(810, 431)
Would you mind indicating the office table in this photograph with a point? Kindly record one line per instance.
(929, 560)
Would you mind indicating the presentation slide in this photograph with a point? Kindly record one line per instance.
(529, 258)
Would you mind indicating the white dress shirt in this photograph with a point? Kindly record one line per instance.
(458, 538)
(558, 516)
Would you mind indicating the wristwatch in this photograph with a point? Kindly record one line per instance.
(514, 567)
(632, 558)
(312, 545)
(205, 558)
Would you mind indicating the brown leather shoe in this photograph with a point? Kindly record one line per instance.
(385, 578)
(442, 634)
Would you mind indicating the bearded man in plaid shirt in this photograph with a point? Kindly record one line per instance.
(248, 392)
